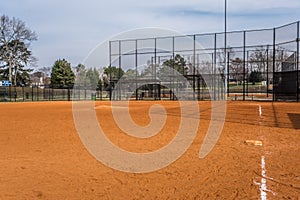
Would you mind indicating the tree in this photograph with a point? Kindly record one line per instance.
(261, 60)
(15, 39)
(255, 76)
(46, 71)
(178, 63)
(113, 74)
(237, 69)
(80, 68)
(205, 67)
(62, 74)
(99, 85)
(86, 78)
(258, 60)
(149, 69)
(22, 77)
(36, 78)
(131, 73)
(92, 76)
(80, 75)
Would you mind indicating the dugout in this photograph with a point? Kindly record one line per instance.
(286, 82)
(139, 89)
(285, 85)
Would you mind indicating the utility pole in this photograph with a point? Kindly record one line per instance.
(226, 76)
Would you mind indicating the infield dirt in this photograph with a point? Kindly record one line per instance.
(42, 157)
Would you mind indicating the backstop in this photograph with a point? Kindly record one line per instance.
(251, 64)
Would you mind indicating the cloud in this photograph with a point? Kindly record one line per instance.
(71, 29)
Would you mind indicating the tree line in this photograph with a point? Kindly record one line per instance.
(17, 61)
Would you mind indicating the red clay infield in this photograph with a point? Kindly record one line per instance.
(42, 157)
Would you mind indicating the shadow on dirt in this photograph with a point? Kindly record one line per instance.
(295, 119)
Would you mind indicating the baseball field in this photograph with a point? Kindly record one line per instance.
(256, 157)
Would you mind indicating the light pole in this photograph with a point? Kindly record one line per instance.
(225, 18)
(226, 75)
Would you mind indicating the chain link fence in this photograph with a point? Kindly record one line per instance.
(254, 64)
(250, 65)
(50, 93)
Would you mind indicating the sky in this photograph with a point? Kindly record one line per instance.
(71, 29)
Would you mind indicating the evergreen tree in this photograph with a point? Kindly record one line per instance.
(255, 76)
(178, 63)
(62, 74)
(114, 72)
(92, 76)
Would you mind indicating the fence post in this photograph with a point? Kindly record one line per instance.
(23, 93)
(52, 92)
(214, 67)
(274, 60)
(244, 66)
(15, 93)
(194, 66)
(247, 64)
(49, 92)
(228, 73)
(155, 62)
(10, 92)
(63, 92)
(268, 72)
(297, 58)
(32, 93)
(37, 93)
(110, 79)
(172, 94)
(44, 95)
(69, 93)
(136, 66)
(101, 92)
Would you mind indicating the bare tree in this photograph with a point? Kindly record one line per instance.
(236, 69)
(261, 60)
(46, 71)
(205, 67)
(15, 39)
(221, 55)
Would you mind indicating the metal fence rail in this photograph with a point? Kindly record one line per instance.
(49, 93)
(255, 64)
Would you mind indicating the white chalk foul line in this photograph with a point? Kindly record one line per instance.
(259, 110)
(263, 181)
(263, 184)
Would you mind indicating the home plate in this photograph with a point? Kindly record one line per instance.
(253, 142)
